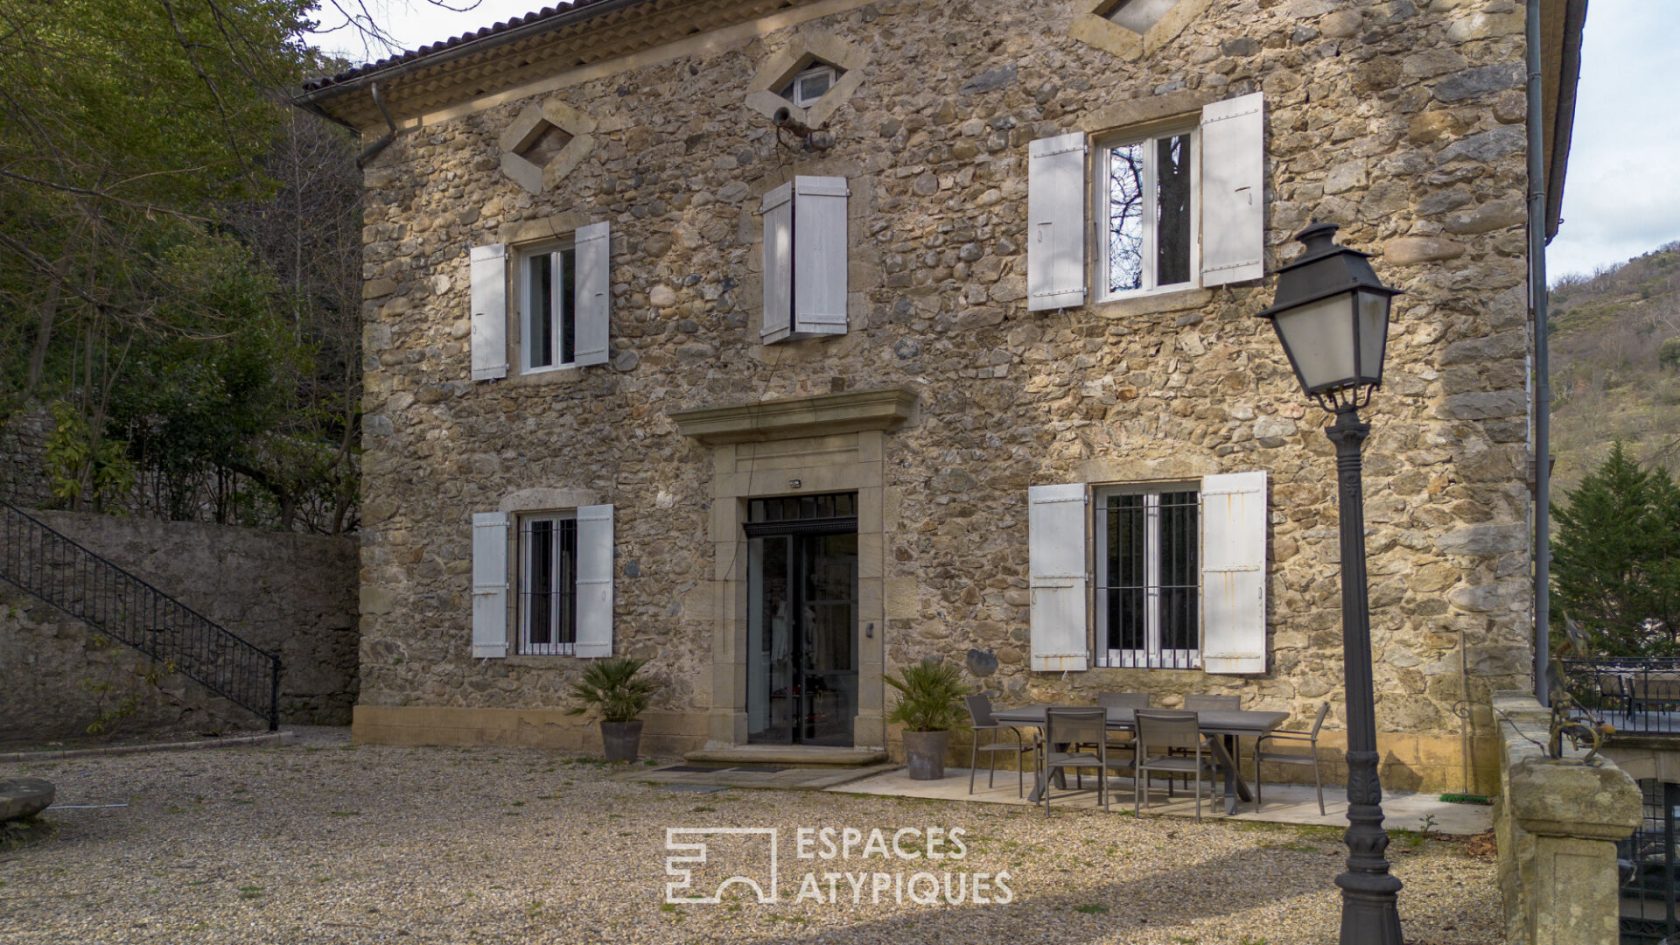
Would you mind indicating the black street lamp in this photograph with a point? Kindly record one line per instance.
(1331, 313)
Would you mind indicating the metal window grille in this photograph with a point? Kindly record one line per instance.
(1646, 862)
(803, 508)
(1148, 588)
(548, 586)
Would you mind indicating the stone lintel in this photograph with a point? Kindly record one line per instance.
(847, 412)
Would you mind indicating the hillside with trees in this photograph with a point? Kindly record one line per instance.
(179, 261)
(1616, 366)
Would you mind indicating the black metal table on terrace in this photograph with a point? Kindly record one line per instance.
(1226, 724)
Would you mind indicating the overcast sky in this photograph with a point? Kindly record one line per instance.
(1622, 197)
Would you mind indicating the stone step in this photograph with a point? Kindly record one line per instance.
(788, 755)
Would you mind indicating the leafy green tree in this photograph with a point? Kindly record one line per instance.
(179, 267)
(1616, 559)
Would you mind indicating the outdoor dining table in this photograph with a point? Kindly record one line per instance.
(1225, 723)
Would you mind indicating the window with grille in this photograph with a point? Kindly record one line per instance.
(548, 550)
(1148, 572)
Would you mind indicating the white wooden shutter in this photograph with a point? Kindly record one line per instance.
(1056, 222)
(594, 580)
(1234, 573)
(593, 292)
(819, 255)
(1057, 566)
(489, 312)
(1234, 190)
(777, 209)
(490, 585)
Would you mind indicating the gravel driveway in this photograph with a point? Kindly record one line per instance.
(331, 843)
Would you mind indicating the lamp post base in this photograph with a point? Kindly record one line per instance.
(1370, 921)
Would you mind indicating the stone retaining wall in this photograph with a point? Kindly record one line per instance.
(1557, 824)
(286, 592)
(23, 450)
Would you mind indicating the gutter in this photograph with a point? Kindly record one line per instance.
(1541, 404)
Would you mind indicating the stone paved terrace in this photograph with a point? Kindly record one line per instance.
(325, 842)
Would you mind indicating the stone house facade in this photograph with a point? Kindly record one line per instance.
(785, 343)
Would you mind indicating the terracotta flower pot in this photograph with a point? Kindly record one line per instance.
(926, 752)
(621, 740)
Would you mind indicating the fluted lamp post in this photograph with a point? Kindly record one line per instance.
(1331, 313)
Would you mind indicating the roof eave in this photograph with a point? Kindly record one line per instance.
(318, 100)
(1567, 78)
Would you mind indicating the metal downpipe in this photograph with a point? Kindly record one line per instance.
(1542, 384)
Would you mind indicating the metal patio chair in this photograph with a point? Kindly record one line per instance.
(1178, 737)
(1076, 737)
(980, 714)
(1209, 702)
(1122, 700)
(1264, 753)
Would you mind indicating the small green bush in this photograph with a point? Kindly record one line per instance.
(930, 697)
(612, 689)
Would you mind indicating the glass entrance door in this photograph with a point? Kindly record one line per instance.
(802, 648)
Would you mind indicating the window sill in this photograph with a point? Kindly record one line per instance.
(535, 661)
(564, 374)
(1154, 303)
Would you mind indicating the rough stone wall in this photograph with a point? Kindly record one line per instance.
(279, 591)
(59, 680)
(23, 450)
(1400, 120)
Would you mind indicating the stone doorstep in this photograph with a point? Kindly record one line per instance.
(793, 755)
(792, 778)
(200, 744)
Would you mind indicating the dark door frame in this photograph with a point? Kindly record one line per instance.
(799, 565)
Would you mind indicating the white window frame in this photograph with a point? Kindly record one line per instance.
(563, 305)
(526, 551)
(1152, 656)
(1103, 145)
(793, 91)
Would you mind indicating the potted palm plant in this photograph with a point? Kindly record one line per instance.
(929, 706)
(611, 689)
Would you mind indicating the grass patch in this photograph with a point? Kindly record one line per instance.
(1304, 831)
(1410, 839)
(250, 892)
(17, 834)
(1091, 908)
(1467, 799)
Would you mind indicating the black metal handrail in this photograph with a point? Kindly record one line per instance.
(1635, 695)
(52, 567)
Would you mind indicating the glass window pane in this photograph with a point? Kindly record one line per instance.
(1179, 570)
(1172, 209)
(539, 590)
(1125, 218)
(565, 303)
(539, 302)
(567, 579)
(1125, 572)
